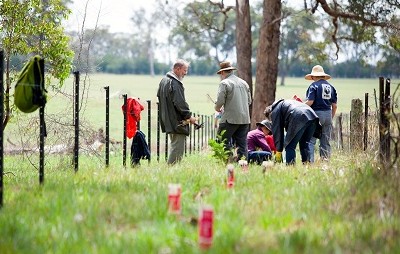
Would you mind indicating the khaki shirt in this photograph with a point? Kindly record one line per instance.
(234, 95)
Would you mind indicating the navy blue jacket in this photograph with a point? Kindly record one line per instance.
(289, 115)
(139, 149)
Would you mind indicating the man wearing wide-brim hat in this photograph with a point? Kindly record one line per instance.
(234, 97)
(322, 98)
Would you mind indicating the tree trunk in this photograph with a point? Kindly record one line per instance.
(243, 42)
(283, 75)
(151, 57)
(267, 59)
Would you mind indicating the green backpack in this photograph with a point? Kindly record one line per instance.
(30, 93)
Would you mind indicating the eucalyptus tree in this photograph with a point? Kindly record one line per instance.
(34, 27)
(354, 20)
(345, 20)
(144, 25)
(297, 39)
(204, 30)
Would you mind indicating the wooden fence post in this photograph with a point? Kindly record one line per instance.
(356, 122)
(340, 130)
(384, 124)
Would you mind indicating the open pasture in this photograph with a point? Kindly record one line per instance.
(196, 89)
(92, 103)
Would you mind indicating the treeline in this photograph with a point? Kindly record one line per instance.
(347, 69)
(144, 52)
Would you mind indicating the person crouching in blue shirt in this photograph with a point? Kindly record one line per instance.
(257, 145)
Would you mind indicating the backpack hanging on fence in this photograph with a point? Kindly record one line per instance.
(30, 93)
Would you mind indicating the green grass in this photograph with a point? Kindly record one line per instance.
(346, 206)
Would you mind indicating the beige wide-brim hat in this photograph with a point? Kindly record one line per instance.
(317, 71)
(225, 66)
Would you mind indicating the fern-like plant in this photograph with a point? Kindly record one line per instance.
(218, 148)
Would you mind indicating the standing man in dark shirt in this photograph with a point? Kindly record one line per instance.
(322, 98)
(175, 115)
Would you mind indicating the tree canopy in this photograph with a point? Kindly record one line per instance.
(34, 27)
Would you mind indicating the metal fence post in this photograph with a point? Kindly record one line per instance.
(76, 117)
(107, 88)
(42, 131)
(149, 125)
(124, 132)
(158, 132)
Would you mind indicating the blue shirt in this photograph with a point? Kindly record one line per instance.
(323, 94)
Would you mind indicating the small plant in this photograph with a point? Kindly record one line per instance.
(218, 148)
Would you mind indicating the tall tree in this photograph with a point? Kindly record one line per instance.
(204, 30)
(349, 20)
(144, 26)
(244, 42)
(359, 17)
(267, 58)
(34, 27)
(297, 40)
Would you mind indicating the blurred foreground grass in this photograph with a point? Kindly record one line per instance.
(346, 206)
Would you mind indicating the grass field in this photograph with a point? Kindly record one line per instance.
(196, 89)
(346, 206)
(349, 205)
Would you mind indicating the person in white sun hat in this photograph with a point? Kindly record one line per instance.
(322, 98)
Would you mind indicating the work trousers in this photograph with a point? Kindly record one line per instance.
(177, 148)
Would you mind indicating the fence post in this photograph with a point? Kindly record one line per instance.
(124, 132)
(158, 132)
(340, 130)
(166, 147)
(198, 136)
(107, 88)
(366, 106)
(149, 125)
(190, 139)
(356, 136)
(76, 117)
(1, 125)
(42, 131)
(202, 130)
(193, 133)
(387, 105)
(384, 124)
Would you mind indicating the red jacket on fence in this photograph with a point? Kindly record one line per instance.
(134, 107)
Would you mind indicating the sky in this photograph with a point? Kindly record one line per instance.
(115, 14)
